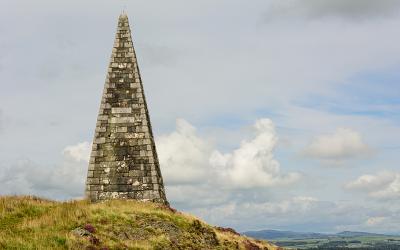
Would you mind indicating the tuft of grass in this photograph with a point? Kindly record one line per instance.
(32, 223)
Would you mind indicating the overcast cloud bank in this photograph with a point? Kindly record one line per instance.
(317, 9)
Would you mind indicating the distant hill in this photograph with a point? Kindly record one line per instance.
(342, 240)
(33, 223)
(357, 234)
(276, 234)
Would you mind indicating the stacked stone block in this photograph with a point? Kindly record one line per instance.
(124, 162)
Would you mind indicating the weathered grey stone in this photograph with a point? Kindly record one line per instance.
(99, 140)
(80, 232)
(124, 162)
(101, 129)
(122, 120)
(91, 165)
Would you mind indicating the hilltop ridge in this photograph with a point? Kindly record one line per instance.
(34, 223)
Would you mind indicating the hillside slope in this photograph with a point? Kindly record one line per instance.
(33, 223)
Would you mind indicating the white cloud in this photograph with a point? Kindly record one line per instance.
(78, 152)
(372, 182)
(183, 155)
(384, 185)
(343, 144)
(59, 181)
(253, 163)
(186, 157)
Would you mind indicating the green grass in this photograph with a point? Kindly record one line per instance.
(33, 223)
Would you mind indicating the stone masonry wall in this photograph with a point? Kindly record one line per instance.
(124, 162)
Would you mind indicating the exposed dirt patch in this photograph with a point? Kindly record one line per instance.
(227, 230)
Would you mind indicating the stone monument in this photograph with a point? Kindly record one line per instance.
(123, 162)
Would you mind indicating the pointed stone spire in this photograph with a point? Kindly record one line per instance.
(124, 162)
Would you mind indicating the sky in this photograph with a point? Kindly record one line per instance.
(267, 114)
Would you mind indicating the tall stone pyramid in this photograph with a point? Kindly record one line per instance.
(124, 162)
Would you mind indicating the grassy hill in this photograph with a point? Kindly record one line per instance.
(33, 223)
